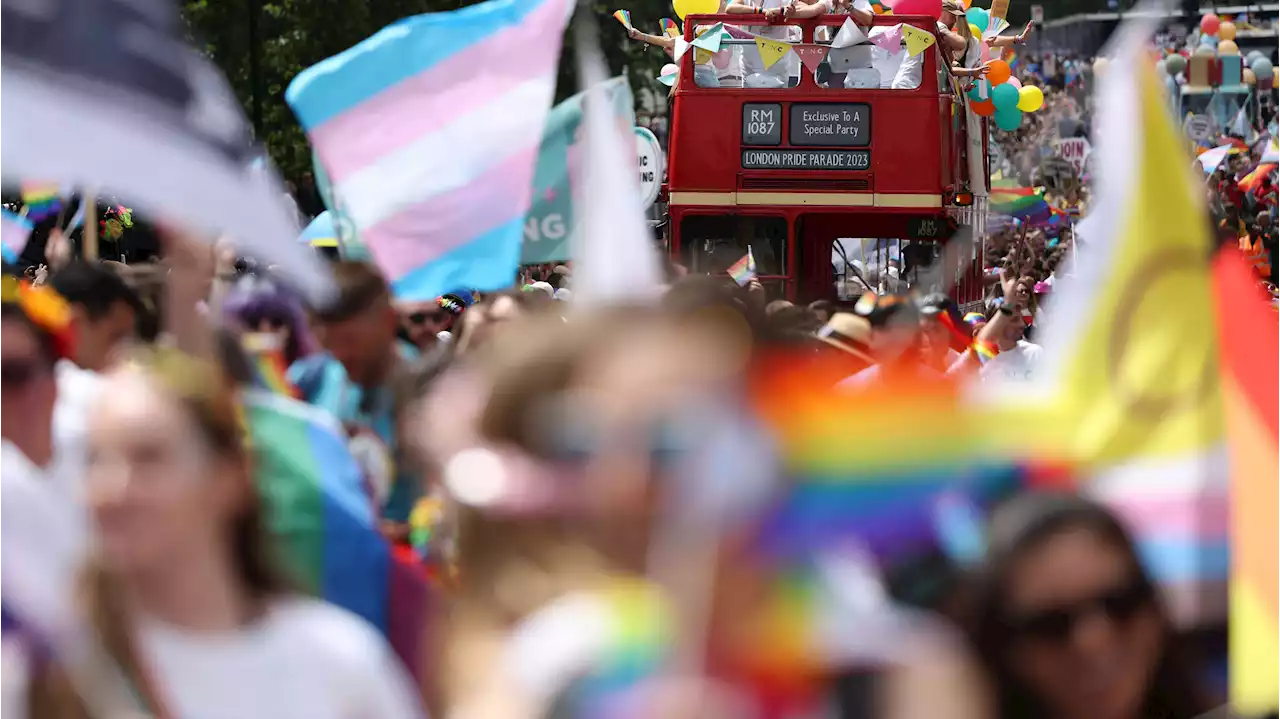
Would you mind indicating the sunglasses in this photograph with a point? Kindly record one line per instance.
(16, 374)
(419, 318)
(1058, 624)
(275, 322)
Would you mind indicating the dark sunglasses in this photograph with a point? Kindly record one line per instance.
(272, 321)
(17, 374)
(419, 318)
(1058, 624)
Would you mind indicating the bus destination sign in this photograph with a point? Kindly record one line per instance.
(806, 159)
(844, 124)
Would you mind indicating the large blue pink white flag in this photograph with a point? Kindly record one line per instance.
(429, 131)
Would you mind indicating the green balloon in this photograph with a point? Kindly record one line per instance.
(1004, 96)
(1008, 119)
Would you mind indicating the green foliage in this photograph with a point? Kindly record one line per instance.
(295, 34)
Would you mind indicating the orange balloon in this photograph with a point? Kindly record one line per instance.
(985, 108)
(998, 72)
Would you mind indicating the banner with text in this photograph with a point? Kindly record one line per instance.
(549, 222)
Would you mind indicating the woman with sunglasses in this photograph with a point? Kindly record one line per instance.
(1068, 623)
(260, 305)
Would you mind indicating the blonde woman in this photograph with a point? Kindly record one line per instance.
(181, 592)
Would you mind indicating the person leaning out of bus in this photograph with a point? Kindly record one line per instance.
(703, 74)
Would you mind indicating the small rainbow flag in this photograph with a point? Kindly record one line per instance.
(42, 199)
(669, 27)
(744, 270)
(1251, 181)
(624, 17)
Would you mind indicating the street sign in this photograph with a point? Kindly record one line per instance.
(1199, 128)
(650, 161)
(1037, 14)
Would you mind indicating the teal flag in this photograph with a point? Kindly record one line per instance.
(548, 226)
(349, 245)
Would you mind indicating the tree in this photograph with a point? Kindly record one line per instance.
(292, 35)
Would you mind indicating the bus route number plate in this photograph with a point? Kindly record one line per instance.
(761, 123)
(845, 124)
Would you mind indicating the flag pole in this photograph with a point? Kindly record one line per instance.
(89, 249)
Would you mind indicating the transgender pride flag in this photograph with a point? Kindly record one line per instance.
(429, 132)
(14, 231)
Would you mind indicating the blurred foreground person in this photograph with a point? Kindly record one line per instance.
(1069, 624)
(181, 592)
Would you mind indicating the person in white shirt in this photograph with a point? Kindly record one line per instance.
(782, 72)
(1018, 358)
(181, 588)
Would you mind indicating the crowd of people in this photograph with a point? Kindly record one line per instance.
(590, 507)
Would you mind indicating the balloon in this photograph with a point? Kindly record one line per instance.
(998, 72)
(1008, 119)
(1206, 51)
(1100, 65)
(1004, 97)
(1175, 64)
(669, 69)
(1227, 31)
(974, 30)
(967, 3)
(1252, 56)
(1030, 98)
(695, 7)
(1248, 76)
(979, 17)
(974, 94)
(984, 108)
(1209, 24)
(1015, 82)
(1228, 47)
(932, 8)
(1262, 69)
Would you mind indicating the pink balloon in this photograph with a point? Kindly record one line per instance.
(1014, 81)
(985, 53)
(932, 8)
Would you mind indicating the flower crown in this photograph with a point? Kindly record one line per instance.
(47, 309)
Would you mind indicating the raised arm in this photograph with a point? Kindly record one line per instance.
(1019, 39)
(951, 42)
(662, 41)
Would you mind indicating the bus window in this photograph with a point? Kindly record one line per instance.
(711, 244)
(866, 67)
(783, 73)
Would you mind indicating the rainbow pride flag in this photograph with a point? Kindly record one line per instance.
(669, 27)
(744, 270)
(1248, 336)
(430, 160)
(624, 17)
(1023, 203)
(42, 199)
(312, 490)
(1251, 181)
(876, 479)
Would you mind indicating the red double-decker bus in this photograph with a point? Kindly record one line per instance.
(830, 176)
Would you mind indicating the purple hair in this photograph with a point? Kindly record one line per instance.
(254, 297)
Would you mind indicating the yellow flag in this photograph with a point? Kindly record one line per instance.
(700, 56)
(1131, 346)
(771, 51)
(917, 40)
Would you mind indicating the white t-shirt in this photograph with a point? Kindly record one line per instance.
(911, 71)
(78, 390)
(1014, 365)
(304, 660)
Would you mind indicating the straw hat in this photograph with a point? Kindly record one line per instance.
(848, 333)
